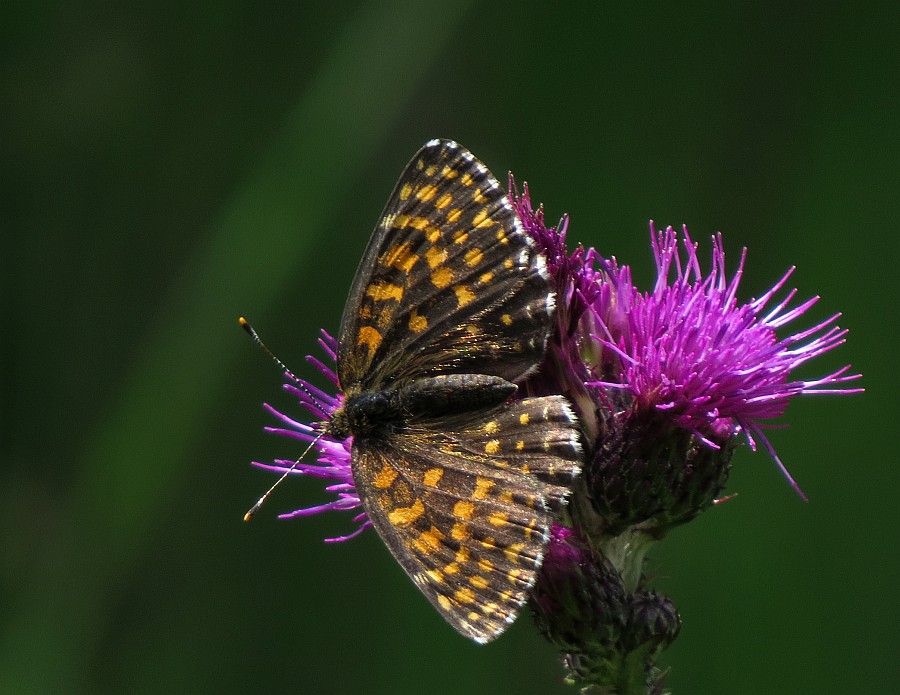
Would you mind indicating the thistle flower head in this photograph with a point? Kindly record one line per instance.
(581, 604)
(579, 599)
(713, 365)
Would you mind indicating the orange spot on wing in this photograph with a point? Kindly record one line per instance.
(400, 257)
(474, 256)
(426, 193)
(460, 532)
(482, 488)
(432, 477)
(463, 509)
(383, 291)
(464, 595)
(385, 477)
(442, 277)
(464, 295)
(370, 337)
(404, 516)
(417, 323)
(478, 582)
(498, 518)
(435, 256)
(443, 201)
(517, 577)
(430, 539)
(485, 565)
(513, 551)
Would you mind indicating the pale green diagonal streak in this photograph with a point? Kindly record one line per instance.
(137, 454)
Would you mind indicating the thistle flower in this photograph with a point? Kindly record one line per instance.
(686, 371)
(666, 383)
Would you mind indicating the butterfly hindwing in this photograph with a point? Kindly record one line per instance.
(466, 507)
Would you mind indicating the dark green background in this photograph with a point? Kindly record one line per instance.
(168, 168)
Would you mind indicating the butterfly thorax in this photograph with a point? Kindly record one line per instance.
(367, 413)
(384, 412)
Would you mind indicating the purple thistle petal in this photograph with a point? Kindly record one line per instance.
(329, 344)
(318, 364)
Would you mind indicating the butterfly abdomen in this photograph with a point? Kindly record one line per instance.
(453, 394)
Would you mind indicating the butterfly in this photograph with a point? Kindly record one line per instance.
(450, 309)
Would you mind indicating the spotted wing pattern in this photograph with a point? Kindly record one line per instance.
(466, 508)
(450, 282)
(461, 485)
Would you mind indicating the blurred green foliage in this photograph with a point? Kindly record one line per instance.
(167, 167)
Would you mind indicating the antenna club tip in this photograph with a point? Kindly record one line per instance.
(245, 324)
(248, 515)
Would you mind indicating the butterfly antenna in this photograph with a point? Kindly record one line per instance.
(251, 331)
(245, 324)
(259, 503)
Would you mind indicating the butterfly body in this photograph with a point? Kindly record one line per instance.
(449, 311)
(381, 413)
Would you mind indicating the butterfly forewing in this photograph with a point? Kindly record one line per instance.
(447, 260)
